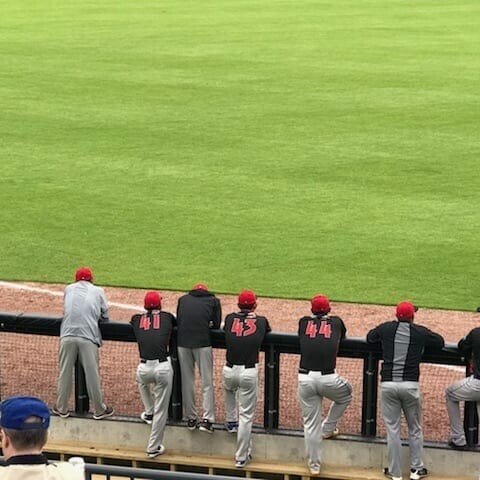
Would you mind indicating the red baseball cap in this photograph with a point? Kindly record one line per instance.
(83, 273)
(247, 298)
(405, 310)
(200, 286)
(152, 300)
(320, 304)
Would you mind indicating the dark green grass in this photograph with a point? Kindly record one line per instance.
(291, 147)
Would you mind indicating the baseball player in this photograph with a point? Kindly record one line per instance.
(244, 334)
(466, 389)
(320, 335)
(197, 312)
(403, 344)
(153, 330)
(85, 306)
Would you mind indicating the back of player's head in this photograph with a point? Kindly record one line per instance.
(405, 310)
(247, 300)
(152, 300)
(320, 305)
(84, 273)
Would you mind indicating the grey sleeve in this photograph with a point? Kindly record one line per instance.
(103, 308)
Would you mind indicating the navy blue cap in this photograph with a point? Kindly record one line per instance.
(14, 412)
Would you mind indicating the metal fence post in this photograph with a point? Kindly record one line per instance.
(470, 423)
(82, 402)
(369, 401)
(175, 409)
(272, 388)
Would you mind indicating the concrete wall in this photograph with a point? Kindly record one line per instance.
(348, 451)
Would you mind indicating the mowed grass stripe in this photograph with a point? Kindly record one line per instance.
(291, 147)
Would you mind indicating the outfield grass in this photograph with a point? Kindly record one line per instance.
(288, 146)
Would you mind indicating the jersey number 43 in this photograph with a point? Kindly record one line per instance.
(243, 329)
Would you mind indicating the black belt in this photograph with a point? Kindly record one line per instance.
(248, 365)
(323, 372)
(143, 360)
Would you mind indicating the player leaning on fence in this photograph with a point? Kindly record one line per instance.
(466, 389)
(403, 344)
(244, 334)
(85, 306)
(153, 331)
(198, 312)
(320, 335)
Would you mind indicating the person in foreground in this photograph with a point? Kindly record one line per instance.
(320, 335)
(466, 389)
(244, 334)
(153, 331)
(24, 423)
(403, 344)
(85, 306)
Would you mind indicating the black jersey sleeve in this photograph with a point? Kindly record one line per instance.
(433, 340)
(465, 345)
(216, 314)
(268, 328)
(373, 336)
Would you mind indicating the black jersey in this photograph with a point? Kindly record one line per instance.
(197, 312)
(244, 334)
(320, 337)
(470, 347)
(403, 344)
(153, 331)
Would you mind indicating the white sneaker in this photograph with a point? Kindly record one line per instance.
(314, 468)
(148, 419)
(387, 473)
(330, 434)
(418, 473)
(242, 463)
(159, 451)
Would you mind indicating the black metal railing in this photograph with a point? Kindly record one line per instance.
(274, 346)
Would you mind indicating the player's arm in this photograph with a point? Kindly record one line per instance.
(103, 308)
(434, 340)
(268, 328)
(373, 336)
(343, 329)
(216, 314)
(465, 345)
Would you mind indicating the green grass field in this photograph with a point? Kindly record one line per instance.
(292, 147)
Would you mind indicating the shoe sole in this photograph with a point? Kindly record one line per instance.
(153, 455)
(100, 417)
(203, 429)
(61, 415)
(156, 453)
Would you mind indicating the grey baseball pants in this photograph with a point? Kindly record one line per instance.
(398, 397)
(155, 381)
(203, 357)
(312, 388)
(87, 353)
(241, 382)
(466, 389)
